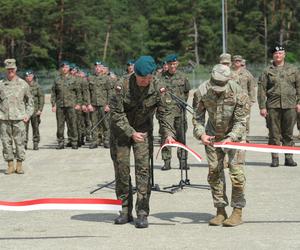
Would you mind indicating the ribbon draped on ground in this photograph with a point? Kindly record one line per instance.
(180, 145)
(62, 204)
(258, 147)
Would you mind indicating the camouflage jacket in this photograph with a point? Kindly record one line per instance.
(16, 101)
(279, 87)
(66, 92)
(227, 113)
(83, 85)
(100, 90)
(38, 96)
(132, 109)
(178, 85)
(246, 80)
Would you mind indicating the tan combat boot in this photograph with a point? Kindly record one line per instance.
(219, 218)
(19, 169)
(10, 167)
(235, 218)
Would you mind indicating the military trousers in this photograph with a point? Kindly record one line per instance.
(298, 121)
(87, 123)
(216, 176)
(101, 130)
(13, 132)
(66, 115)
(35, 121)
(80, 124)
(180, 126)
(120, 154)
(281, 124)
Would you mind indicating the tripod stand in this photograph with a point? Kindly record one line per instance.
(184, 181)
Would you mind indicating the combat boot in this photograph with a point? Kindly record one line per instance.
(290, 162)
(60, 146)
(10, 167)
(106, 144)
(69, 144)
(93, 145)
(19, 169)
(219, 218)
(74, 146)
(235, 218)
(167, 165)
(275, 161)
(123, 218)
(141, 221)
(35, 146)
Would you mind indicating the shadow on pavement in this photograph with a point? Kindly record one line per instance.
(50, 237)
(272, 222)
(184, 217)
(107, 218)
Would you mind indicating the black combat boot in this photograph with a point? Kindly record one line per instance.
(106, 144)
(74, 146)
(35, 146)
(123, 218)
(167, 165)
(60, 146)
(290, 162)
(93, 145)
(141, 221)
(275, 160)
(69, 144)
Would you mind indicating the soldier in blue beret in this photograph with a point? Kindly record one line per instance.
(132, 110)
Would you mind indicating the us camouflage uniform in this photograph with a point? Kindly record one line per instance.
(35, 120)
(100, 92)
(248, 83)
(178, 85)
(279, 93)
(65, 95)
(16, 103)
(227, 116)
(132, 110)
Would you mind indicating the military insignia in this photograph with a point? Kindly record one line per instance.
(168, 100)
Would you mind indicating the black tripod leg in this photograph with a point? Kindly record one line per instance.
(103, 186)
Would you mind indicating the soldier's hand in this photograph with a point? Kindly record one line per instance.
(170, 139)
(207, 139)
(90, 108)
(84, 108)
(106, 109)
(38, 112)
(54, 109)
(139, 137)
(298, 108)
(26, 119)
(264, 113)
(77, 107)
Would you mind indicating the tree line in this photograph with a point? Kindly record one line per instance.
(40, 33)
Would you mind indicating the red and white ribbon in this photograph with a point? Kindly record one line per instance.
(258, 147)
(62, 204)
(180, 145)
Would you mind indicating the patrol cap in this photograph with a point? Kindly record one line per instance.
(10, 63)
(220, 75)
(64, 63)
(130, 62)
(277, 48)
(171, 58)
(225, 58)
(145, 65)
(29, 72)
(237, 58)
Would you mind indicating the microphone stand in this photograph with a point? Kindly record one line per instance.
(184, 106)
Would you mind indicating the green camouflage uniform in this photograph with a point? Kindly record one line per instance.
(16, 103)
(100, 92)
(65, 95)
(35, 120)
(132, 110)
(227, 116)
(279, 93)
(178, 85)
(248, 83)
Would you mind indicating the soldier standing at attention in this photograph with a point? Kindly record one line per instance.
(64, 96)
(16, 107)
(279, 102)
(39, 100)
(100, 91)
(178, 84)
(227, 106)
(132, 112)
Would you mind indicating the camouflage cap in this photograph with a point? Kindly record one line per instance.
(237, 58)
(220, 75)
(10, 63)
(225, 58)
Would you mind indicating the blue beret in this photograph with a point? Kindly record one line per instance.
(171, 58)
(277, 48)
(29, 72)
(98, 63)
(63, 63)
(145, 65)
(72, 66)
(130, 62)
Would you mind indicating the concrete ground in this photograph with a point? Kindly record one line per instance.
(177, 221)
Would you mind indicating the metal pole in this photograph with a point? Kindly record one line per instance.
(223, 26)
